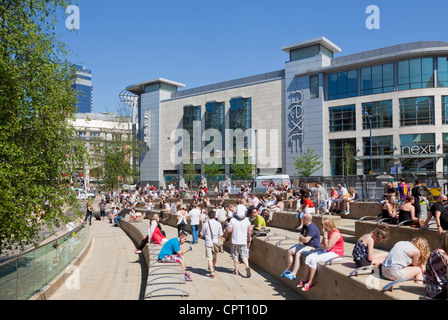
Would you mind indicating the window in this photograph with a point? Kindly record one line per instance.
(342, 118)
(415, 74)
(191, 120)
(341, 157)
(381, 112)
(416, 111)
(240, 117)
(381, 146)
(215, 119)
(377, 79)
(442, 71)
(444, 109)
(343, 85)
(314, 86)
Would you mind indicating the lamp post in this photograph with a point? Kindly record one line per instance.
(370, 124)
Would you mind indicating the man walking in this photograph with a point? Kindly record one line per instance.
(239, 226)
(211, 232)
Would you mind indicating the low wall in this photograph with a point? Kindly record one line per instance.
(362, 209)
(396, 233)
(288, 220)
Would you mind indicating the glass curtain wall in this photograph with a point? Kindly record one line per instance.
(342, 160)
(382, 147)
(342, 118)
(413, 149)
(416, 111)
(381, 112)
(377, 79)
(343, 85)
(416, 73)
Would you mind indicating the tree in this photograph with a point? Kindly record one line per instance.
(213, 170)
(242, 171)
(348, 160)
(307, 163)
(38, 152)
(115, 158)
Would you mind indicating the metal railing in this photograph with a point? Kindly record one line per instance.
(25, 275)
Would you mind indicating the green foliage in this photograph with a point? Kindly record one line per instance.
(242, 171)
(38, 154)
(307, 163)
(213, 170)
(116, 161)
(348, 160)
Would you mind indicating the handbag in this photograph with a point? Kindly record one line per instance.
(218, 247)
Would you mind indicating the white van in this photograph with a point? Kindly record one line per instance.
(262, 183)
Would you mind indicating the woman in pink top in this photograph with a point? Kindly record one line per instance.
(332, 246)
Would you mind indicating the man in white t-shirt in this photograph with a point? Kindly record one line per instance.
(342, 193)
(239, 226)
(211, 231)
(194, 217)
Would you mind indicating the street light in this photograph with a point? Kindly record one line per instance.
(365, 113)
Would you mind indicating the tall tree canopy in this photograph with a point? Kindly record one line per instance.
(38, 152)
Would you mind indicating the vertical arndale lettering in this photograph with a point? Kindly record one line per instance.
(373, 21)
(72, 21)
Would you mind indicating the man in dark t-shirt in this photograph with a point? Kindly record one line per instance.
(310, 242)
(440, 214)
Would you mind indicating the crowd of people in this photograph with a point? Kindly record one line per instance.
(249, 215)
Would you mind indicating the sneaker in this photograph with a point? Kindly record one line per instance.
(285, 273)
(301, 284)
(347, 212)
(187, 277)
(307, 286)
(290, 276)
(248, 274)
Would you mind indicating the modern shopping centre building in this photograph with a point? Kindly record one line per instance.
(382, 110)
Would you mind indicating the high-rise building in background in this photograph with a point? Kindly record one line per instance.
(84, 89)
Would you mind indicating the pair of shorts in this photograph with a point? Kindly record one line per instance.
(175, 258)
(305, 250)
(239, 250)
(392, 273)
(209, 255)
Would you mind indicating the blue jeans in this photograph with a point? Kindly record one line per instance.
(117, 220)
(195, 232)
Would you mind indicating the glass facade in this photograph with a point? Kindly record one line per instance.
(342, 160)
(240, 117)
(314, 86)
(342, 118)
(442, 72)
(444, 109)
(192, 118)
(415, 74)
(381, 112)
(214, 118)
(382, 146)
(416, 111)
(343, 85)
(377, 79)
(445, 150)
(84, 98)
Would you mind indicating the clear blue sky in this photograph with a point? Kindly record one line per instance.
(198, 42)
